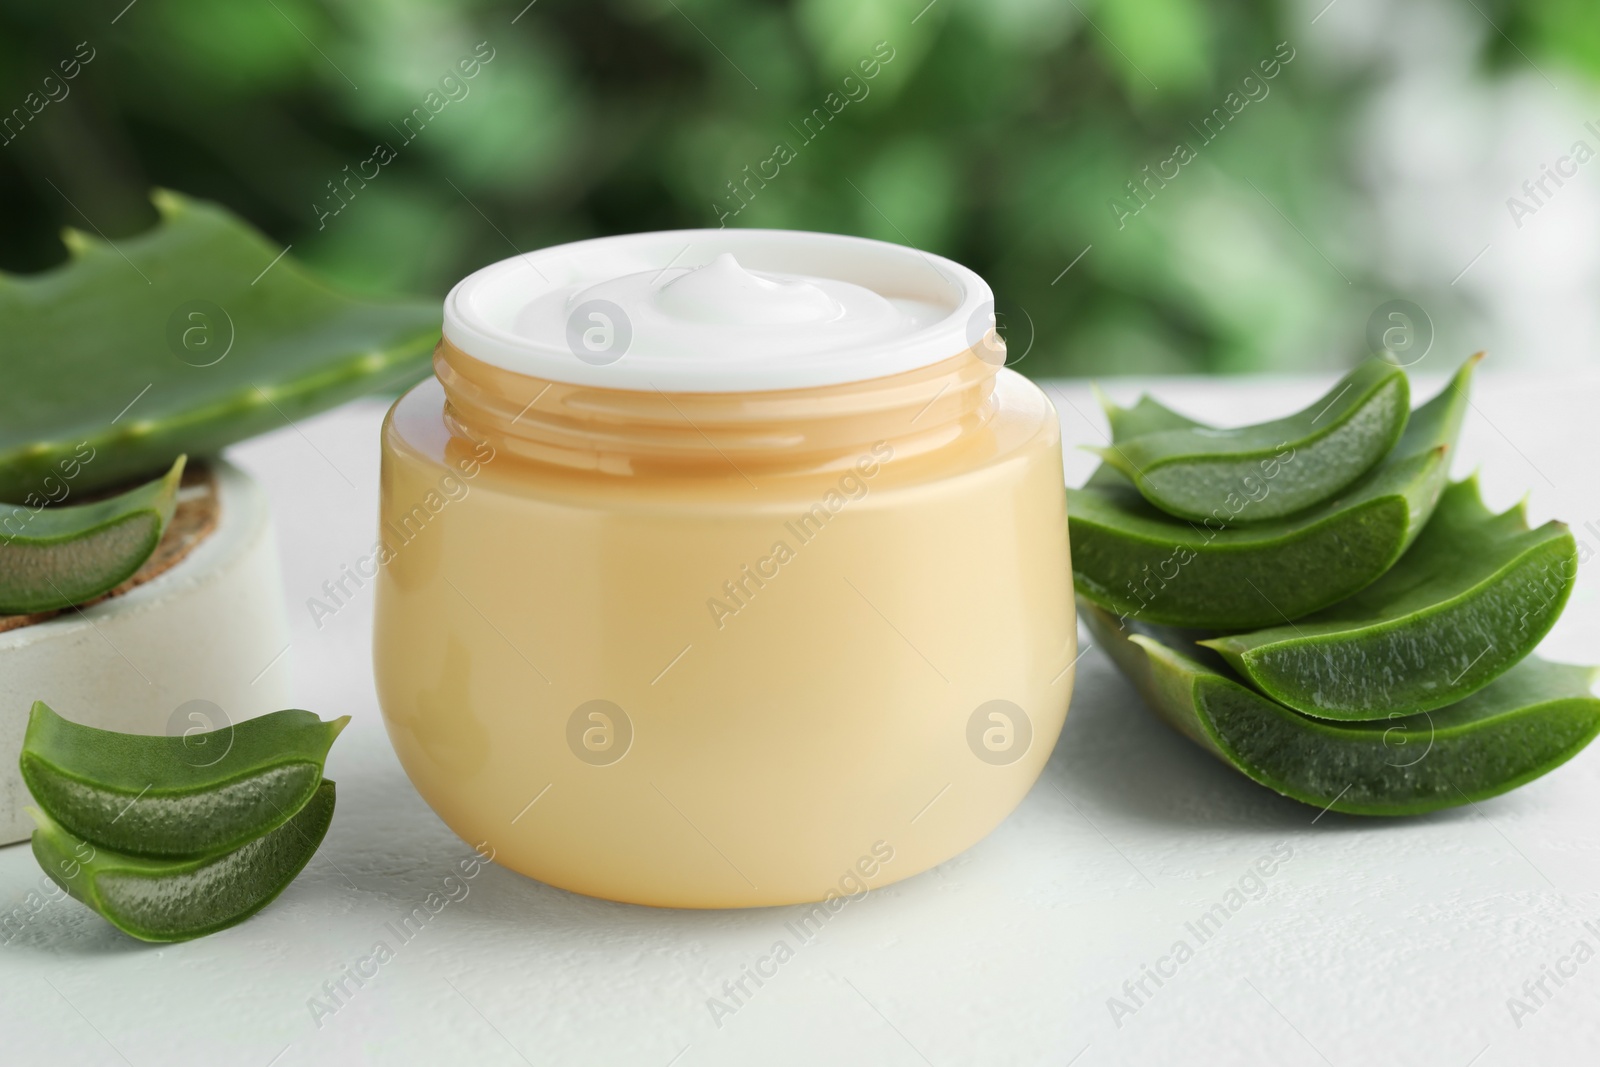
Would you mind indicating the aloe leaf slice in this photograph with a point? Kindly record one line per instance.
(1190, 470)
(176, 900)
(1526, 723)
(1471, 597)
(185, 338)
(53, 558)
(175, 797)
(1137, 561)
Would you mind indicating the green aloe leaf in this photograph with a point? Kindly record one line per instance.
(185, 338)
(1471, 598)
(1526, 723)
(175, 797)
(176, 900)
(1190, 470)
(55, 557)
(1135, 560)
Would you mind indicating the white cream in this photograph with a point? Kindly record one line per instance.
(722, 293)
(718, 311)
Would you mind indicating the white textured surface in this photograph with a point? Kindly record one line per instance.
(1376, 943)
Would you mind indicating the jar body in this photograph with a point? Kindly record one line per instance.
(719, 691)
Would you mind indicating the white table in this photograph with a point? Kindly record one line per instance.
(1377, 942)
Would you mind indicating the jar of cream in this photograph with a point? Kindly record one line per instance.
(723, 568)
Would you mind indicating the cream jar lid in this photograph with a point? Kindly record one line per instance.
(719, 311)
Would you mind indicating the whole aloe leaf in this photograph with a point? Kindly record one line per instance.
(1471, 598)
(53, 558)
(185, 338)
(1526, 723)
(1188, 469)
(1137, 561)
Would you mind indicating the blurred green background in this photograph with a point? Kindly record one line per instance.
(999, 134)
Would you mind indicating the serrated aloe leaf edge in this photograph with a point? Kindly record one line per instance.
(100, 357)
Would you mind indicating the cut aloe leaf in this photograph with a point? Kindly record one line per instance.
(185, 338)
(176, 900)
(1135, 560)
(1473, 596)
(1529, 721)
(1191, 470)
(175, 797)
(53, 558)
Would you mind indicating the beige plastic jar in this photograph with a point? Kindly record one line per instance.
(723, 568)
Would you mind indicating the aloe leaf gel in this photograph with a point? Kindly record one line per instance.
(1470, 599)
(177, 900)
(1529, 721)
(1188, 469)
(1132, 559)
(53, 558)
(175, 797)
(1371, 655)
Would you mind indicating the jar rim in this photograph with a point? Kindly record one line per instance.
(796, 431)
(481, 310)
